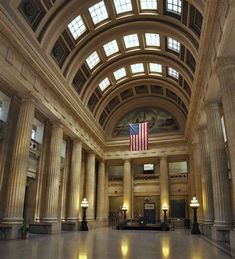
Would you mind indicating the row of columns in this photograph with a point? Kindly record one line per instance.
(218, 195)
(14, 205)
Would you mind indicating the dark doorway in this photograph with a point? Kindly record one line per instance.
(178, 208)
(149, 213)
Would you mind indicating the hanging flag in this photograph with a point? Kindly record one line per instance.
(138, 136)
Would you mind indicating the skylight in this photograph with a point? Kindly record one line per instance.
(123, 6)
(111, 48)
(77, 27)
(137, 68)
(104, 84)
(120, 73)
(152, 39)
(98, 12)
(93, 60)
(131, 41)
(172, 72)
(155, 68)
(173, 44)
(148, 4)
(174, 6)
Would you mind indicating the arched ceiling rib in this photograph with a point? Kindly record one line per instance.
(70, 54)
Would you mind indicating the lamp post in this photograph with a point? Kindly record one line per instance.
(84, 205)
(124, 209)
(194, 205)
(165, 209)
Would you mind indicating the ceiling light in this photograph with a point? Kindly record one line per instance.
(111, 48)
(172, 72)
(173, 44)
(77, 27)
(93, 60)
(123, 6)
(174, 6)
(120, 73)
(98, 12)
(104, 84)
(148, 4)
(137, 68)
(152, 39)
(131, 41)
(155, 68)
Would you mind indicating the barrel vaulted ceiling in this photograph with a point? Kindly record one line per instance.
(120, 55)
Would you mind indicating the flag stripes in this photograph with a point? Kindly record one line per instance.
(138, 136)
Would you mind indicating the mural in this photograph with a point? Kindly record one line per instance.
(158, 119)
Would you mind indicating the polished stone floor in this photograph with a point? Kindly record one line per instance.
(109, 243)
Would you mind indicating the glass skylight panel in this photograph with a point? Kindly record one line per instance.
(104, 84)
(120, 73)
(77, 27)
(174, 6)
(148, 4)
(98, 12)
(172, 72)
(137, 68)
(111, 48)
(152, 39)
(155, 68)
(93, 60)
(123, 6)
(173, 44)
(131, 41)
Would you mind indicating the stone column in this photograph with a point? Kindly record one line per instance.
(90, 185)
(13, 213)
(82, 184)
(219, 172)
(207, 192)
(127, 188)
(74, 186)
(101, 192)
(197, 177)
(53, 180)
(164, 186)
(43, 162)
(226, 75)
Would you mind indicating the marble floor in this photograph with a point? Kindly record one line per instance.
(110, 243)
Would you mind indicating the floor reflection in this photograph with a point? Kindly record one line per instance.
(165, 244)
(124, 247)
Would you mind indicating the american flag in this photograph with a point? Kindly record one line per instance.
(138, 136)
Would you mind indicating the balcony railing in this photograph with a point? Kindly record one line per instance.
(146, 176)
(35, 147)
(179, 176)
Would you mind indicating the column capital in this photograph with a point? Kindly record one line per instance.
(57, 124)
(28, 97)
(224, 63)
(163, 157)
(212, 104)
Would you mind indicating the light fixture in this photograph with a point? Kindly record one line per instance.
(194, 204)
(84, 205)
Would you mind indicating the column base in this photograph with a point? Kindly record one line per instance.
(102, 223)
(11, 231)
(221, 234)
(45, 228)
(207, 229)
(232, 241)
(70, 225)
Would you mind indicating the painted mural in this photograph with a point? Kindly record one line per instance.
(158, 120)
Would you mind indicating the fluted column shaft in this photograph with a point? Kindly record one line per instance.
(18, 173)
(127, 187)
(226, 75)
(90, 186)
(74, 185)
(219, 170)
(197, 177)
(207, 192)
(164, 185)
(53, 179)
(101, 192)
(82, 184)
